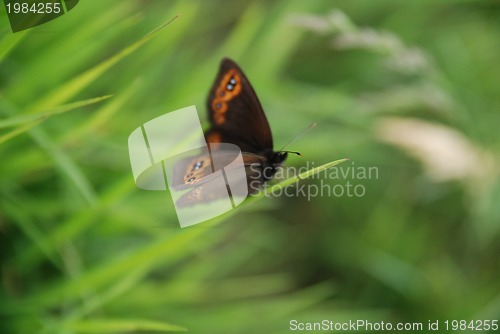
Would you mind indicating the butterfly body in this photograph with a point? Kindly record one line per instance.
(263, 165)
(236, 117)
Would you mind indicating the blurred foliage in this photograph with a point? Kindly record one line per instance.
(393, 85)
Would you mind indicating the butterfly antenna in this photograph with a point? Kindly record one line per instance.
(313, 125)
(293, 152)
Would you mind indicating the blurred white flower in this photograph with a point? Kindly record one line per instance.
(445, 153)
(336, 21)
(346, 35)
(401, 98)
(340, 21)
(410, 60)
(314, 23)
(370, 39)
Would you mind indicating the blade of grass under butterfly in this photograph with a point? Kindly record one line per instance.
(285, 183)
(275, 188)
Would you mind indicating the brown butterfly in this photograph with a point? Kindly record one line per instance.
(236, 117)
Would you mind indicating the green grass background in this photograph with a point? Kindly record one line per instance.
(85, 251)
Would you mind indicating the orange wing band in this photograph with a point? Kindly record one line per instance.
(229, 87)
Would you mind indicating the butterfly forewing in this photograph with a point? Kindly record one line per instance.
(235, 113)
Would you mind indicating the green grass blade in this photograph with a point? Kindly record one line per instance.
(18, 131)
(62, 160)
(76, 224)
(9, 42)
(31, 229)
(71, 88)
(67, 166)
(285, 183)
(123, 285)
(123, 325)
(276, 187)
(104, 114)
(101, 277)
(37, 117)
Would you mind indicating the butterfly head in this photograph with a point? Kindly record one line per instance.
(279, 157)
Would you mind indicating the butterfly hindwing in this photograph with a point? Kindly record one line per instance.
(199, 169)
(191, 171)
(204, 191)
